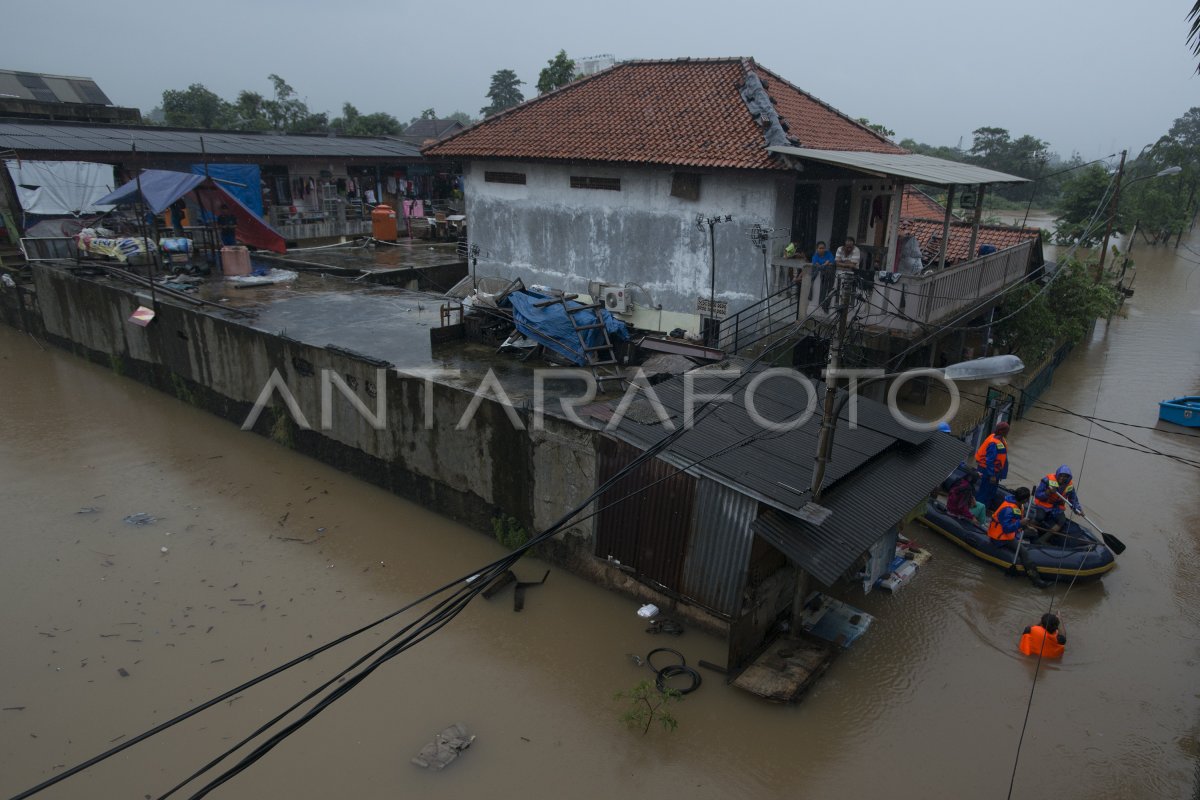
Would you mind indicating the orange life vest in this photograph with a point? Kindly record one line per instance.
(1001, 452)
(1038, 639)
(995, 529)
(1053, 486)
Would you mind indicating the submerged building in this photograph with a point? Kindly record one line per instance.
(671, 189)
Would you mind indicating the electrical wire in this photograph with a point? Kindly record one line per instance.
(440, 620)
(1092, 223)
(478, 581)
(431, 622)
(1138, 447)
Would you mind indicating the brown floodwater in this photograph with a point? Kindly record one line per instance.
(269, 553)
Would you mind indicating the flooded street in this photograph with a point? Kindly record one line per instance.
(269, 554)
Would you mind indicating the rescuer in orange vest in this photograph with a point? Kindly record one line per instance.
(1005, 527)
(1051, 497)
(1044, 638)
(991, 459)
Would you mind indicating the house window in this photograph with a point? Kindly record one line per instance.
(685, 185)
(505, 177)
(586, 182)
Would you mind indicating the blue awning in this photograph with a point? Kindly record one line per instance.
(159, 189)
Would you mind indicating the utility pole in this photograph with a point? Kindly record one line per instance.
(712, 334)
(1112, 213)
(828, 421)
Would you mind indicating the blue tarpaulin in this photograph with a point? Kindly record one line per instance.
(551, 327)
(161, 188)
(243, 181)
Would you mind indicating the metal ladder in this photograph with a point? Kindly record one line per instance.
(600, 358)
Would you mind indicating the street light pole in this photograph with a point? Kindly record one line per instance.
(1112, 213)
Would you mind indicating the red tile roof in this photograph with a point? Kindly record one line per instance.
(685, 112)
(918, 205)
(929, 234)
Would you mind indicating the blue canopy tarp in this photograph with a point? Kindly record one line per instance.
(243, 181)
(551, 327)
(161, 188)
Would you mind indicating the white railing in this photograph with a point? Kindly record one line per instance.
(917, 300)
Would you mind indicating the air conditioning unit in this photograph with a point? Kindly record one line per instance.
(613, 298)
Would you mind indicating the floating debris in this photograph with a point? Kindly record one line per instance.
(124, 673)
(140, 518)
(87, 510)
(444, 748)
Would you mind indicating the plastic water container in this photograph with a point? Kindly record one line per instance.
(235, 260)
(383, 224)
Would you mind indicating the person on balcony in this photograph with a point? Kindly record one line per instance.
(848, 255)
(823, 266)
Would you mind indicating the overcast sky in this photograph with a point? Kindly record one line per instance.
(1090, 76)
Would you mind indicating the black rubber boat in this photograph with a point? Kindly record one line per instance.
(1079, 554)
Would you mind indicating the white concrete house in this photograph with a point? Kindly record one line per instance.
(612, 180)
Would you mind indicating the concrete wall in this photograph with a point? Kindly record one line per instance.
(546, 232)
(472, 475)
(220, 365)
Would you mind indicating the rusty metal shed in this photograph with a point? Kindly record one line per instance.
(691, 515)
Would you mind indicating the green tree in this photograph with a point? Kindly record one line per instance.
(354, 123)
(463, 117)
(937, 151)
(882, 130)
(559, 71)
(287, 112)
(195, 107)
(505, 92)
(1080, 218)
(1167, 205)
(1025, 157)
(991, 145)
(1036, 319)
(250, 112)
(1194, 32)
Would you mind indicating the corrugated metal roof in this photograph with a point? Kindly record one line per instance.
(719, 553)
(773, 467)
(30, 137)
(908, 166)
(864, 509)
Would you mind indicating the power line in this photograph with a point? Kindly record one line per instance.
(441, 619)
(978, 306)
(1138, 447)
(430, 622)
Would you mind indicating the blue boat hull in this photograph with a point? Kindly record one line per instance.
(1084, 557)
(1181, 411)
